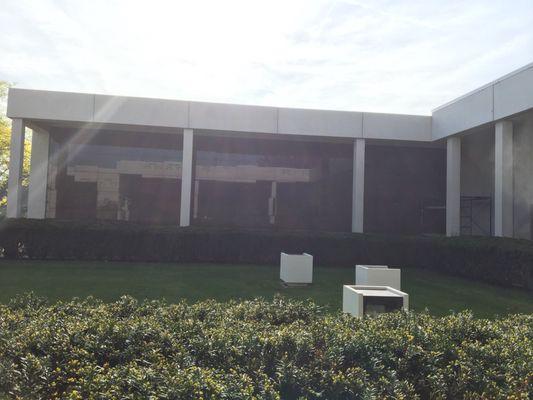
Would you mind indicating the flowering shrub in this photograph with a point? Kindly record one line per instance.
(255, 349)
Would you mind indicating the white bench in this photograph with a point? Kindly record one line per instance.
(378, 275)
(296, 268)
(359, 300)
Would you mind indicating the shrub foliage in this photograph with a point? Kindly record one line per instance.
(505, 262)
(255, 349)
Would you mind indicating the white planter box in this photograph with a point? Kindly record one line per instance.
(296, 268)
(378, 275)
(359, 300)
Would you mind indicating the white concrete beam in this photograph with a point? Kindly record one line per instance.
(453, 187)
(186, 177)
(402, 127)
(320, 122)
(473, 110)
(43, 104)
(141, 111)
(503, 179)
(233, 117)
(40, 142)
(16, 162)
(358, 186)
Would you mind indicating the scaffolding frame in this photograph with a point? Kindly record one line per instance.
(468, 220)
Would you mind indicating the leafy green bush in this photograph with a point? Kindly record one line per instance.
(505, 262)
(255, 349)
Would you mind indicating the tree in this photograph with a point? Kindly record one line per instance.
(5, 140)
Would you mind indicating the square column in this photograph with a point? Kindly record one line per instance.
(453, 187)
(40, 142)
(16, 162)
(503, 179)
(186, 177)
(358, 186)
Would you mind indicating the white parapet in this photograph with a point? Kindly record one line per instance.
(296, 268)
(378, 275)
(359, 300)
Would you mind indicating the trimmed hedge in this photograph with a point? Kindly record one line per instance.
(506, 262)
(256, 350)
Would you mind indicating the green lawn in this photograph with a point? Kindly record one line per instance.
(107, 281)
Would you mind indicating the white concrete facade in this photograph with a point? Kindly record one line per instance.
(503, 98)
(133, 111)
(504, 108)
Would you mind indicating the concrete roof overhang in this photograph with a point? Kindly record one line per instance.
(47, 108)
(505, 98)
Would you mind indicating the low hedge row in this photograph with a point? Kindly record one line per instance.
(256, 350)
(505, 262)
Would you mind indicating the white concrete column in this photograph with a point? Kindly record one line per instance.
(503, 179)
(16, 162)
(186, 177)
(358, 186)
(40, 142)
(453, 187)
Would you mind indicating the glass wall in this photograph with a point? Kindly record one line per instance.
(405, 189)
(281, 183)
(291, 184)
(108, 175)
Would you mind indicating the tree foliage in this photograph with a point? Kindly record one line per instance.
(5, 140)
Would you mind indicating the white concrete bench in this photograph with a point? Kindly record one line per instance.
(359, 300)
(378, 275)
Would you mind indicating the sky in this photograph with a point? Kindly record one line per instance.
(384, 56)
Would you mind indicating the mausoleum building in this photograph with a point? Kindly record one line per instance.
(465, 169)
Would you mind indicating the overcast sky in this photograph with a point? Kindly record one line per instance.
(384, 56)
